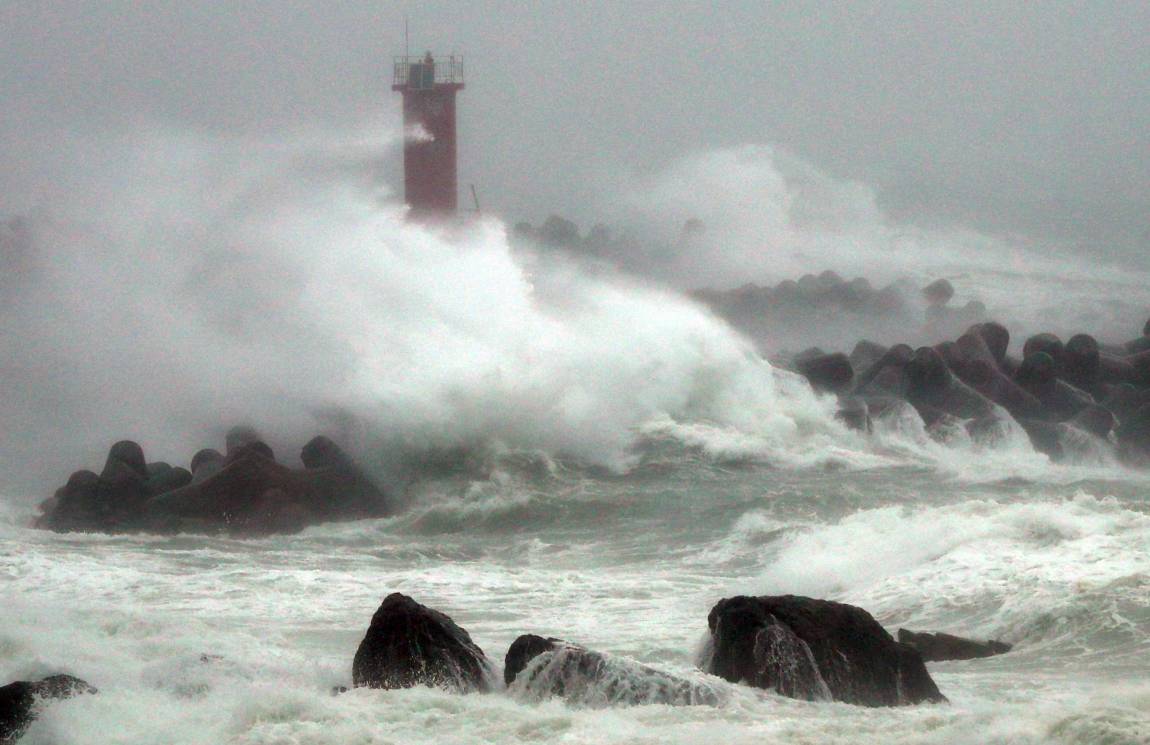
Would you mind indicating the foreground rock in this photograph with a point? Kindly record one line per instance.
(814, 650)
(941, 647)
(410, 645)
(19, 701)
(540, 668)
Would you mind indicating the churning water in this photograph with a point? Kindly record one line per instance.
(640, 463)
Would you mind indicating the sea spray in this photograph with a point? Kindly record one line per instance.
(207, 283)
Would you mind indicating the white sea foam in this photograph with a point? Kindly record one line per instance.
(1072, 573)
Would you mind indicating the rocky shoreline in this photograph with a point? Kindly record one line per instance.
(1081, 398)
(796, 647)
(241, 492)
(1077, 397)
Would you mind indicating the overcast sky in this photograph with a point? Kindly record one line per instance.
(1007, 116)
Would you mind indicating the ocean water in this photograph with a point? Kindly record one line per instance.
(626, 564)
(640, 462)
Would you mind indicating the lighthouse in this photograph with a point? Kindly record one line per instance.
(430, 175)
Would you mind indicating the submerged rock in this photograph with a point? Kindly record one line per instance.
(18, 701)
(815, 650)
(408, 644)
(540, 668)
(940, 647)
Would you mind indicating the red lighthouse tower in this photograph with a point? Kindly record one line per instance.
(430, 177)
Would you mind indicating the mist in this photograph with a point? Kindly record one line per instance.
(1006, 119)
(202, 225)
(210, 282)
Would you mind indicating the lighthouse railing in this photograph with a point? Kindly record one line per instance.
(417, 72)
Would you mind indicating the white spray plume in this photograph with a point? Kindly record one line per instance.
(768, 215)
(211, 283)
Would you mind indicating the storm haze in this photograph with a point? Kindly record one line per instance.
(200, 215)
(1005, 118)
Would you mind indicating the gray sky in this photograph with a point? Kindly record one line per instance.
(1014, 116)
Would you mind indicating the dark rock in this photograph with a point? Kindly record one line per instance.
(19, 701)
(815, 649)
(938, 292)
(974, 311)
(1141, 368)
(206, 463)
(829, 372)
(991, 382)
(1038, 376)
(889, 300)
(1134, 437)
(971, 347)
(409, 644)
(1045, 437)
(524, 649)
(997, 339)
(1048, 343)
(122, 493)
(1114, 370)
(251, 494)
(1125, 400)
(322, 452)
(1095, 419)
(1135, 346)
(123, 487)
(559, 232)
(939, 647)
(948, 351)
(112, 501)
(865, 354)
(930, 383)
(856, 294)
(255, 447)
(273, 512)
(809, 353)
(1081, 361)
(129, 454)
(164, 478)
(239, 436)
(343, 489)
(542, 668)
(76, 505)
(829, 279)
(1038, 368)
(809, 284)
(886, 375)
(205, 456)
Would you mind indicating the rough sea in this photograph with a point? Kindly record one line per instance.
(640, 463)
(1057, 565)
